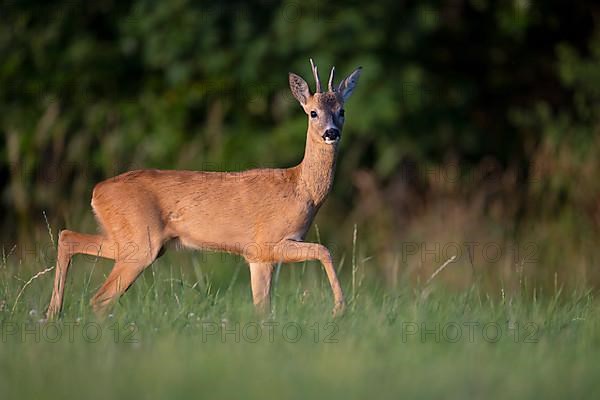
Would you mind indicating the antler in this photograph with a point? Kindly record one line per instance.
(330, 84)
(316, 75)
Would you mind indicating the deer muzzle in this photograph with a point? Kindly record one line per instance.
(331, 135)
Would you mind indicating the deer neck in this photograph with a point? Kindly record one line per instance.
(317, 169)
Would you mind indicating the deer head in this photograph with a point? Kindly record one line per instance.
(325, 110)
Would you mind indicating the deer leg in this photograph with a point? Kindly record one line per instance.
(260, 277)
(123, 274)
(70, 243)
(136, 254)
(293, 251)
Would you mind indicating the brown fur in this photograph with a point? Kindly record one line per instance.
(261, 214)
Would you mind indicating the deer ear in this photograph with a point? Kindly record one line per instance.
(347, 85)
(299, 88)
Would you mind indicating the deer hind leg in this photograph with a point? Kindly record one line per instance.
(135, 257)
(120, 278)
(293, 251)
(70, 243)
(260, 278)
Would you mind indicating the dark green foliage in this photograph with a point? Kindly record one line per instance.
(91, 89)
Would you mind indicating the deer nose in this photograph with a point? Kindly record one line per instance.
(331, 135)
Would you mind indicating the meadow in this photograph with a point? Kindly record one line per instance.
(187, 329)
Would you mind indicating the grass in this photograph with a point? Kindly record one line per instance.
(189, 331)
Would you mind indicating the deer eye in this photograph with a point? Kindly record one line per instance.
(342, 113)
(313, 114)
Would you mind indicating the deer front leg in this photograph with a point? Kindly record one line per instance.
(293, 251)
(260, 277)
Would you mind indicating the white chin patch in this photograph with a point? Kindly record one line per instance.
(331, 141)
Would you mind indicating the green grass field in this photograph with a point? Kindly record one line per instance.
(187, 330)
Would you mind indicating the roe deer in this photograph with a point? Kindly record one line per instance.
(261, 214)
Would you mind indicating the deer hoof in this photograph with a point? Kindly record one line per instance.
(339, 309)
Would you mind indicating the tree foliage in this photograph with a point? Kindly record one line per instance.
(91, 89)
